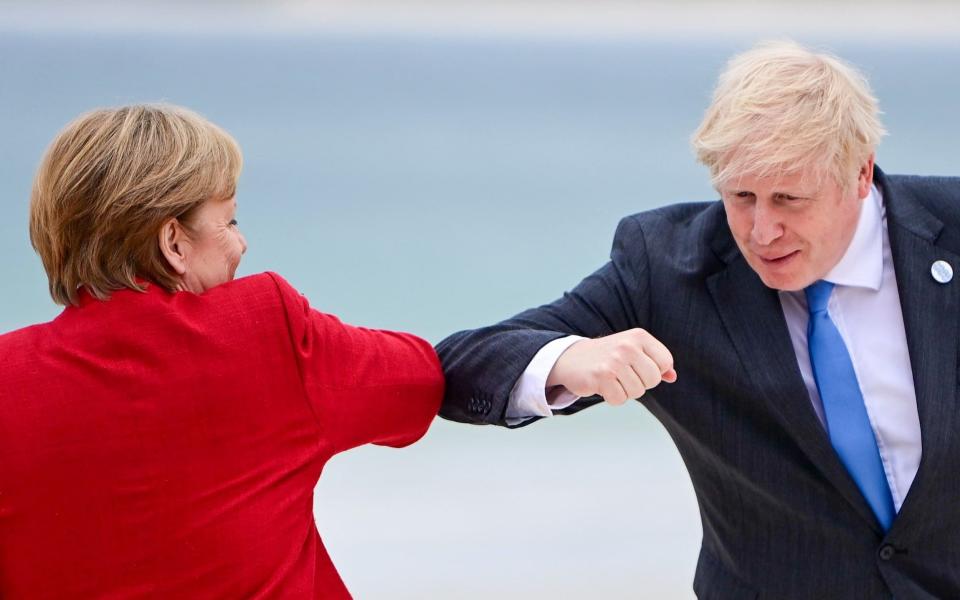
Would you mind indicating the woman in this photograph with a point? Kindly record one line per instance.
(163, 436)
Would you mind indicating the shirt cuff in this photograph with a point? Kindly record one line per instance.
(529, 397)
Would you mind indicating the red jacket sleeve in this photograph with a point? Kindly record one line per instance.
(363, 385)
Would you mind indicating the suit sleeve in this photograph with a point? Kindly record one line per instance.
(482, 365)
(363, 385)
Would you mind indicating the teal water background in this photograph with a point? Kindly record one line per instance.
(430, 184)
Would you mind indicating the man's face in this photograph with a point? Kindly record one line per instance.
(793, 229)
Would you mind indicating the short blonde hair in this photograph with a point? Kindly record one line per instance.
(110, 180)
(779, 108)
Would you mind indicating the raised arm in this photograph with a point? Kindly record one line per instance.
(483, 365)
(363, 385)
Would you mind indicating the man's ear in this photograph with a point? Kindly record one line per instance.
(865, 177)
(171, 239)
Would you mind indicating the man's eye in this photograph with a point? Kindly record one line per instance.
(744, 194)
(233, 222)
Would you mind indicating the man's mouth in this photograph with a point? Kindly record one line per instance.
(778, 259)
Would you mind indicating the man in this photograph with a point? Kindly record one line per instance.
(813, 320)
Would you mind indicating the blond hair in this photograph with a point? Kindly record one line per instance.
(109, 181)
(780, 108)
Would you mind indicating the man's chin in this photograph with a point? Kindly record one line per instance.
(783, 282)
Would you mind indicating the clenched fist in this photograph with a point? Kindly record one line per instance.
(618, 367)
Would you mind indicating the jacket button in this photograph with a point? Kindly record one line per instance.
(887, 551)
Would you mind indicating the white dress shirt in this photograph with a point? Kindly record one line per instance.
(865, 307)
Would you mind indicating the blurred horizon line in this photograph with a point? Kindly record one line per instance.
(931, 20)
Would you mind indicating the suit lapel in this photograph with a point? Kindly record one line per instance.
(752, 315)
(930, 316)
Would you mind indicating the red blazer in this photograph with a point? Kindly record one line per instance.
(167, 445)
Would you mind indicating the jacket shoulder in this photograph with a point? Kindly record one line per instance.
(253, 293)
(677, 214)
(16, 347)
(939, 194)
(938, 185)
(267, 283)
(258, 307)
(685, 236)
(684, 220)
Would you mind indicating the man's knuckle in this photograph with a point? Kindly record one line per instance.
(604, 372)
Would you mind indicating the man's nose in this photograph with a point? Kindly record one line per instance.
(243, 244)
(767, 227)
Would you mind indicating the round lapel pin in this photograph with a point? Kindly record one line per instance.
(942, 271)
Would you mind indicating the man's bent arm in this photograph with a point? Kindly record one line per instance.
(482, 366)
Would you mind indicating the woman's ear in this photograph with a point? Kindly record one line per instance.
(171, 239)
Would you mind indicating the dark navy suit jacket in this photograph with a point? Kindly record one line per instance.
(781, 517)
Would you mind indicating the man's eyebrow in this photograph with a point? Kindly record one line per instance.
(794, 194)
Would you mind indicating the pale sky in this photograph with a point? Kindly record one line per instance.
(931, 20)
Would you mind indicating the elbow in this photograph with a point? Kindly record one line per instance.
(423, 395)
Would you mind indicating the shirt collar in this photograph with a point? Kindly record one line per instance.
(862, 263)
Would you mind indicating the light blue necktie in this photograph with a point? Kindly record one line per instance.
(847, 420)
